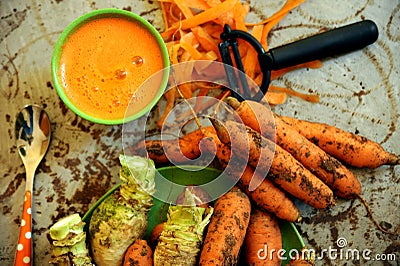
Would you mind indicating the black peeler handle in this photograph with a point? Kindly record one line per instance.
(330, 43)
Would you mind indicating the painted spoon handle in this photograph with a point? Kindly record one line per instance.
(24, 248)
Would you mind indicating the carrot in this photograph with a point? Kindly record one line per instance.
(177, 150)
(333, 173)
(262, 236)
(255, 115)
(155, 234)
(327, 168)
(269, 197)
(139, 253)
(352, 149)
(266, 195)
(284, 169)
(227, 229)
(163, 151)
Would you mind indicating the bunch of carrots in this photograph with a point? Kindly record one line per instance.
(306, 160)
(235, 235)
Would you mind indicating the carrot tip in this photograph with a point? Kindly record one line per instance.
(233, 102)
(394, 159)
(222, 132)
(373, 218)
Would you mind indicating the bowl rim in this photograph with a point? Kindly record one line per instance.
(98, 14)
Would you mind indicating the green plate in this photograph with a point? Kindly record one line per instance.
(291, 239)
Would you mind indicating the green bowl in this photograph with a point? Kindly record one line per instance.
(291, 239)
(98, 14)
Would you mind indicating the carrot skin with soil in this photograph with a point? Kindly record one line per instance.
(263, 231)
(179, 150)
(139, 253)
(350, 148)
(284, 169)
(332, 172)
(267, 195)
(227, 229)
(155, 234)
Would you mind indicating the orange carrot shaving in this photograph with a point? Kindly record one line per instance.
(275, 98)
(164, 14)
(207, 42)
(240, 12)
(266, 30)
(306, 97)
(278, 73)
(250, 62)
(205, 16)
(289, 5)
(182, 5)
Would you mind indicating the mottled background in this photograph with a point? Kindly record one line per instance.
(359, 92)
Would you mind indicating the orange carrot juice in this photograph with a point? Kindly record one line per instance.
(103, 64)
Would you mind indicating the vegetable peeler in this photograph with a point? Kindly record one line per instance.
(326, 44)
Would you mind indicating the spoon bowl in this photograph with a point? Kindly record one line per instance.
(32, 129)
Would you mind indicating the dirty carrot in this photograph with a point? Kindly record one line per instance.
(256, 116)
(177, 150)
(350, 148)
(284, 169)
(269, 197)
(155, 234)
(266, 195)
(139, 253)
(327, 168)
(262, 234)
(227, 229)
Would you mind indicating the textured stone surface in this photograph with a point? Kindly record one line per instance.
(359, 92)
